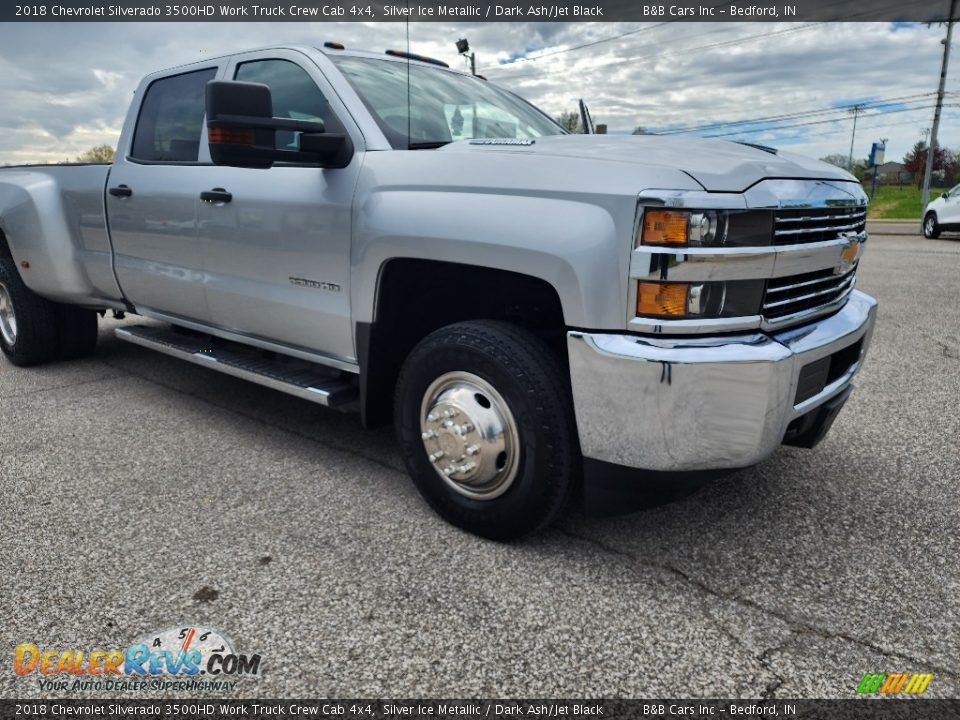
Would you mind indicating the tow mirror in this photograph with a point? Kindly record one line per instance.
(241, 131)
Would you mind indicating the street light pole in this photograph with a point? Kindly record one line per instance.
(932, 148)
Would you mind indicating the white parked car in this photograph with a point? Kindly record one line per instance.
(942, 214)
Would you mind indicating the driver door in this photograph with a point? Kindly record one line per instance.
(278, 240)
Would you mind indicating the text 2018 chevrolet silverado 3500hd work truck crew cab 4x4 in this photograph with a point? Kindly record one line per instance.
(531, 308)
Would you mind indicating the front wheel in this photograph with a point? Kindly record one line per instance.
(485, 422)
(931, 229)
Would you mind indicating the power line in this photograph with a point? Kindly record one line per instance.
(576, 47)
(884, 125)
(505, 65)
(817, 122)
(724, 43)
(533, 73)
(798, 114)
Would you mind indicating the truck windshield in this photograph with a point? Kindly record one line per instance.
(443, 106)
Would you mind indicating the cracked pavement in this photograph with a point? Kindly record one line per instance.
(138, 492)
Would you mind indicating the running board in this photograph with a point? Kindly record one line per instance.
(304, 380)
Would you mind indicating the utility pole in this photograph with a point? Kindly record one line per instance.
(932, 148)
(855, 111)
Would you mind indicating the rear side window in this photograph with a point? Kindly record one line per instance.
(171, 118)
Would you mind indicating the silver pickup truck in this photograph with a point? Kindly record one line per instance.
(539, 314)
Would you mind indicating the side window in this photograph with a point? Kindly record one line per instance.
(295, 96)
(171, 118)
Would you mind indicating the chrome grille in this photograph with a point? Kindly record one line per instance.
(796, 295)
(814, 224)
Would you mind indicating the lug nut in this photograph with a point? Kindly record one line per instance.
(429, 435)
(432, 417)
(437, 455)
(472, 450)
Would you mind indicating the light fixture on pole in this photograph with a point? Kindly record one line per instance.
(463, 47)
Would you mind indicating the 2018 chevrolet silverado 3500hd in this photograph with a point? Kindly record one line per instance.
(532, 309)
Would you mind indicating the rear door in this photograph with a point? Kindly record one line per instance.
(278, 250)
(153, 193)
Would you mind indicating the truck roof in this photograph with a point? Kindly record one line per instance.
(307, 49)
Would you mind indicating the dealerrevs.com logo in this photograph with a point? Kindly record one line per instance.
(899, 683)
(178, 658)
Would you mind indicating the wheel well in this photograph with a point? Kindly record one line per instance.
(4, 247)
(416, 297)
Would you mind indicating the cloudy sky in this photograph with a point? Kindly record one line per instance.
(65, 87)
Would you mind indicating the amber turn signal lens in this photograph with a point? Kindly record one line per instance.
(236, 136)
(666, 299)
(664, 227)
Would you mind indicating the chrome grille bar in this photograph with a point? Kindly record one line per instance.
(805, 294)
(816, 224)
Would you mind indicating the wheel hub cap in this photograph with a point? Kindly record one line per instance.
(8, 319)
(469, 435)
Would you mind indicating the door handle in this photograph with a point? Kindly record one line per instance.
(121, 191)
(216, 195)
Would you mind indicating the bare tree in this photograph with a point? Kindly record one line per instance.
(98, 154)
(569, 121)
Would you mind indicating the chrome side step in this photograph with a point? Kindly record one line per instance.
(305, 380)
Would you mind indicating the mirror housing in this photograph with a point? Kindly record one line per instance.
(241, 131)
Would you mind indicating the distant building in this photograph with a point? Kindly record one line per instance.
(893, 172)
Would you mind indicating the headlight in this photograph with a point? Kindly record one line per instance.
(704, 228)
(680, 227)
(679, 300)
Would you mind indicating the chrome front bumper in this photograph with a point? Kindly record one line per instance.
(682, 404)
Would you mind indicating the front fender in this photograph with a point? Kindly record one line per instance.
(577, 247)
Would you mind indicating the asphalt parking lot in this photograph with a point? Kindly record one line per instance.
(138, 492)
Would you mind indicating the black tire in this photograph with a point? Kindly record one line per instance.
(36, 320)
(77, 332)
(536, 390)
(931, 228)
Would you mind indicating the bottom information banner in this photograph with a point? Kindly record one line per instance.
(476, 709)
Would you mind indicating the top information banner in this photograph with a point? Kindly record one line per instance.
(478, 11)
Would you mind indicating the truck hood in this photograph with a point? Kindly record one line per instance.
(717, 165)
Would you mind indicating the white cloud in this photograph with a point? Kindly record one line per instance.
(66, 86)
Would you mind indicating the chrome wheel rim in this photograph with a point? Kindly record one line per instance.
(8, 318)
(928, 227)
(470, 436)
